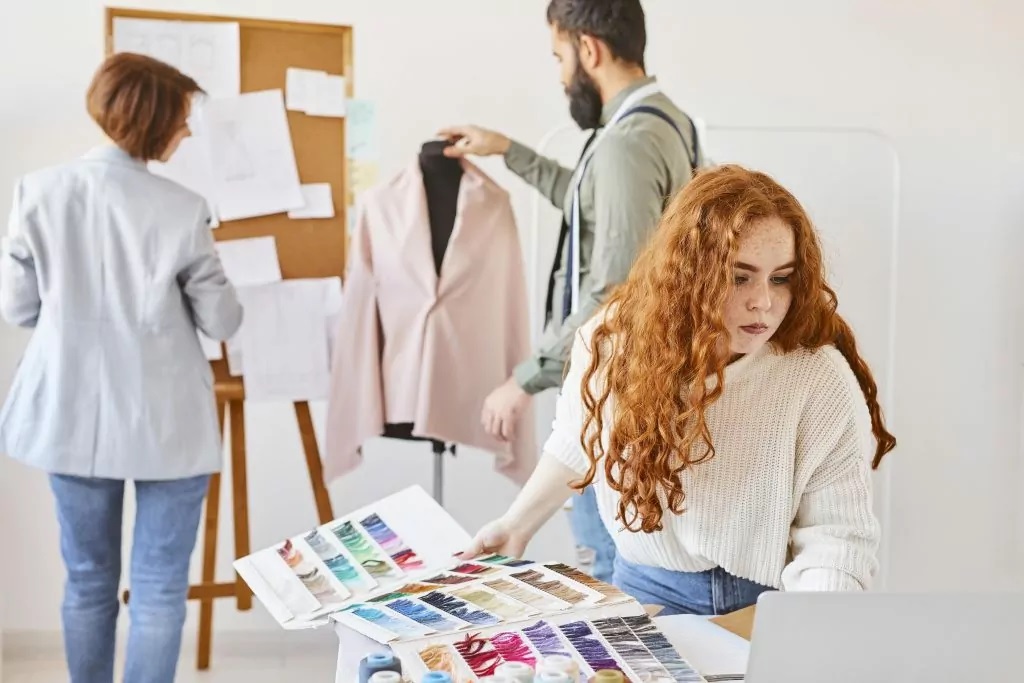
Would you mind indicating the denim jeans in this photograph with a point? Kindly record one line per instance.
(167, 519)
(714, 591)
(595, 547)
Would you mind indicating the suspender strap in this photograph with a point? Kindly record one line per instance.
(646, 109)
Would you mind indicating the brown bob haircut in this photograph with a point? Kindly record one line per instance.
(140, 103)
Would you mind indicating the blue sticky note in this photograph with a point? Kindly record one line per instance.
(361, 131)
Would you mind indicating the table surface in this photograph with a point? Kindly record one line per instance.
(710, 649)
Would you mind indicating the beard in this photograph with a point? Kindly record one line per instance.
(584, 99)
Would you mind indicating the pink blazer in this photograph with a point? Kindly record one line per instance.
(416, 347)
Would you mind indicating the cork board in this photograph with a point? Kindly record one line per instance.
(306, 248)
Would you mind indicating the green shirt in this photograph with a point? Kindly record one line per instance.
(637, 166)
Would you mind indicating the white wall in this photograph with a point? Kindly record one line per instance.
(941, 84)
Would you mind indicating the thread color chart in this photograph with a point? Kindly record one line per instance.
(630, 644)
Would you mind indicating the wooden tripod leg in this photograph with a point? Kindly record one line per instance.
(205, 639)
(316, 473)
(240, 494)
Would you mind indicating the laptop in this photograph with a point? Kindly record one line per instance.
(887, 638)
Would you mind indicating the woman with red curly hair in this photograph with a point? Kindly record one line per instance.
(721, 409)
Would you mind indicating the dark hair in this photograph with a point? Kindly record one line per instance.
(618, 23)
(140, 103)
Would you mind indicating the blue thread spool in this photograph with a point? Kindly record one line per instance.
(371, 664)
(386, 677)
(437, 677)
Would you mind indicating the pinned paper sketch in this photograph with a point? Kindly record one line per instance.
(318, 202)
(250, 261)
(250, 146)
(315, 93)
(284, 341)
(206, 51)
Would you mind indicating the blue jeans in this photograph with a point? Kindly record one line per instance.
(166, 522)
(714, 591)
(595, 547)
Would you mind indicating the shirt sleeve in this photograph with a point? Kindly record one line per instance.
(20, 301)
(212, 298)
(630, 189)
(835, 534)
(549, 177)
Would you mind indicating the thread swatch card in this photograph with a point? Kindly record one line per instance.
(629, 642)
(373, 551)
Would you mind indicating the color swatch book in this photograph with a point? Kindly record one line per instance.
(629, 642)
(372, 551)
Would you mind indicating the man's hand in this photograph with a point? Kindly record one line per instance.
(474, 140)
(503, 408)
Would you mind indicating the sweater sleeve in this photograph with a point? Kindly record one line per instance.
(564, 444)
(834, 535)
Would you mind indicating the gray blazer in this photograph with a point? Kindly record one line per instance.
(115, 269)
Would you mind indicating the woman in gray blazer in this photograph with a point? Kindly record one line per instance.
(115, 270)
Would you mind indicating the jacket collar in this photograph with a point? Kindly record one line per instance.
(114, 154)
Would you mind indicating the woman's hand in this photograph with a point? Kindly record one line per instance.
(496, 537)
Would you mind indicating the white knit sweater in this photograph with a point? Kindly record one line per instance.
(786, 500)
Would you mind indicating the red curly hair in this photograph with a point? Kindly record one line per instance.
(655, 353)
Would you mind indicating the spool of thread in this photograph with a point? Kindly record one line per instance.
(378, 662)
(562, 663)
(386, 677)
(516, 672)
(496, 679)
(437, 677)
(552, 676)
(608, 676)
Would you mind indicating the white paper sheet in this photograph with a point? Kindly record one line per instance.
(211, 348)
(251, 261)
(206, 51)
(319, 202)
(332, 309)
(254, 169)
(330, 97)
(284, 341)
(301, 88)
(361, 131)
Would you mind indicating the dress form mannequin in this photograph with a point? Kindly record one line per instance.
(441, 179)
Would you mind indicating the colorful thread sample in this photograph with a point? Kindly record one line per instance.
(541, 601)
(493, 603)
(459, 609)
(628, 646)
(404, 592)
(309, 574)
(545, 639)
(421, 614)
(366, 555)
(551, 586)
(440, 658)
(474, 569)
(396, 625)
(589, 645)
(513, 648)
(505, 561)
(658, 645)
(339, 565)
(394, 546)
(611, 593)
(448, 579)
(479, 654)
